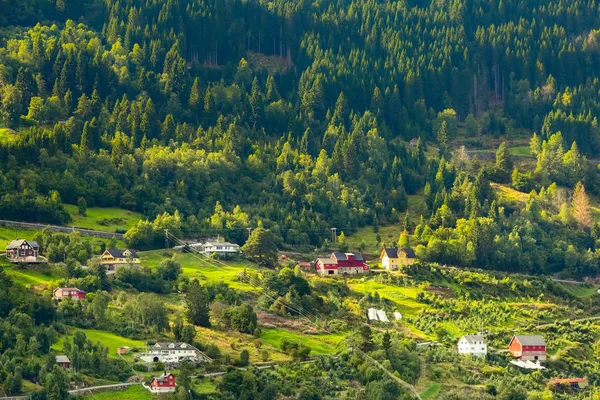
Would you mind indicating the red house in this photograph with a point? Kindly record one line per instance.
(71, 293)
(528, 348)
(163, 384)
(341, 263)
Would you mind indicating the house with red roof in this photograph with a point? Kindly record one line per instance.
(342, 264)
(164, 383)
(569, 383)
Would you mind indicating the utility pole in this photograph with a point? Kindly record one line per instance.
(249, 231)
(333, 235)
(167, 239)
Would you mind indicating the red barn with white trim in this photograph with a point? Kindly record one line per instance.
(341, 263)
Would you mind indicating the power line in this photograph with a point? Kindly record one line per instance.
(305, 314)
(218, 264)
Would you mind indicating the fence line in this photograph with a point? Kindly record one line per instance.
(103, 387)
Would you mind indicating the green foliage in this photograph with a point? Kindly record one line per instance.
(242, 318)
(197, 304)
(82, 206)
(261, 248)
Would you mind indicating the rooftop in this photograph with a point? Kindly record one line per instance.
(531, 340)
(474, 339)
(15, 244)
(62, 359)
(116, 253)
(68, 288)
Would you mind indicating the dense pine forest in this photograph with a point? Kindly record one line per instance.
(211, 117)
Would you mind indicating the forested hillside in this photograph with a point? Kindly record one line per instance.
(211, 117)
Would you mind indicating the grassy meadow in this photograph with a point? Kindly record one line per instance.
(194, 266)
(388, 233)
(103, 219)
(41, 275)
(135, 392)
(325, 344)
(108, 339)
(8, 234)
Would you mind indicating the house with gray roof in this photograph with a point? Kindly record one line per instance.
(173, 353)
(392, 258)
(528, 348)
(472, 345)
(23, 251)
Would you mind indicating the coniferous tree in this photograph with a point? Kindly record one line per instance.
(582, 211)
(197, 304)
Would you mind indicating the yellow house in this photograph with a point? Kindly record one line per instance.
(113, 258)
(392, 258)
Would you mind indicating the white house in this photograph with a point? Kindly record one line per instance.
(472, 345)
(220, 248)
(173, 353)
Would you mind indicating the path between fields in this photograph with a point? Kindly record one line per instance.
(126, 384)
(58, 228)
(569, 320)
(103, 387)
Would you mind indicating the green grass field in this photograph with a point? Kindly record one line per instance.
(195, 267)
(389, 234)
(431, 391)
(8, 234)
(103, 219)
(205, 386)
(108, 339)
(42, 274)
(319, 344)
(136, 392)
(522, 151)
(581, 291)
(403, 297)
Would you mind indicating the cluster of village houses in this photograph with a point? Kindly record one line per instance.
(529, 351)
(28, 251)
(171, 354)
(355, 263)
(24, 251)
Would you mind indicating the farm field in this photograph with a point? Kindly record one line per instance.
(326, 344)
(233, 342)
(581, 291)
(205, 386)
(103, 219)
(110, 340)
(403, 297)
(194, 266)
(8, 234)
(136, 392)
(37, 275)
